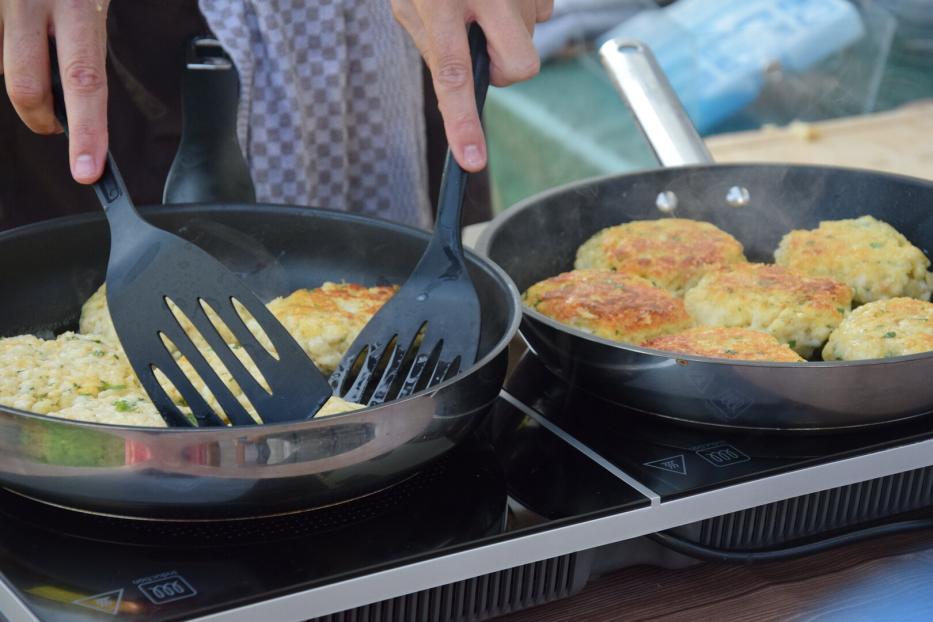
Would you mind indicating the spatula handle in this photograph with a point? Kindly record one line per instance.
(110, 188)
(453, 181)
(209, 166)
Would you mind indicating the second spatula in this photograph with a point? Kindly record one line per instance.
(430, 330)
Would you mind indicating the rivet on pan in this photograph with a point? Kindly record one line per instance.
(737, 196)
(666, 202)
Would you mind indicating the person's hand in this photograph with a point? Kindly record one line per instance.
(438, 28)
(79, 27)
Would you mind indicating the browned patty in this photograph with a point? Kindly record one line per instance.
(609, 304)
(798, 310)
(673, 253)
(742, 344)
(883, 329)
(867, 254)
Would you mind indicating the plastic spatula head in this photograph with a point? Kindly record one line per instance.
(170, 299)
(430, 329)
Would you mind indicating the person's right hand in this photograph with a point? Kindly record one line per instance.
(80, 31)
(439, 30)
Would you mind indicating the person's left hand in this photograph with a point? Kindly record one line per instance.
(438, 28)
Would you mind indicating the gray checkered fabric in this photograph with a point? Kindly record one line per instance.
(330, 105)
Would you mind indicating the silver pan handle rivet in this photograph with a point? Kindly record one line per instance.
(666, 202)
(737, 196)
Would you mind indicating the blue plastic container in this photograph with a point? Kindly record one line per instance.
(716, 52)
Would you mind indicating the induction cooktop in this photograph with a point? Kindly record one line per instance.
(554, 487)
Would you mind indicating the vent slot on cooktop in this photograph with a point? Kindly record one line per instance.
(785, 522)
(480, 598)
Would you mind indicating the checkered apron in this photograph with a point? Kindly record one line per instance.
(330, 104)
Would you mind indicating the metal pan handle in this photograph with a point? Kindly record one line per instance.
(645, 90)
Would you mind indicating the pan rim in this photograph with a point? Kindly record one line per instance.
(476, 258)
(493, 226)
(485, 238)
(676, 356)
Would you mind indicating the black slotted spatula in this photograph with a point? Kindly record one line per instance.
(149, 267)
(437, 304)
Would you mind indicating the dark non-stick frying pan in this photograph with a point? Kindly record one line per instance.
(51, 268)
(758, 204)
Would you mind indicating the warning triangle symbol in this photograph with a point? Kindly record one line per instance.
(107, 602)
(674, 464)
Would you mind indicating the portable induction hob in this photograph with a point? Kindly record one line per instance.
(555, 488)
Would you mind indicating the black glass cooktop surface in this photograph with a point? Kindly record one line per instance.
(72, 566)
(674, 459)
(536, 462)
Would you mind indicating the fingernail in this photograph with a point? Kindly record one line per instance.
(472, 156)
(84, 166)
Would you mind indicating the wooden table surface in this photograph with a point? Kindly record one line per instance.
(888, 578)
(884, 141)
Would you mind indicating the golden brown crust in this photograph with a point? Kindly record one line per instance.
(348, 300)
(867, 254)
(798, 310)
(883, 329)
(326, 320)
(609, 304)
(673, 253)
(742, 344)
(787, 285)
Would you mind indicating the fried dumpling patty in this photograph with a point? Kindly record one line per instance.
(795, 309)
(324, 320)
(88, 378)
(609, 304)
(865, 253)
(882, 329)
(673, 253)
(743, 344)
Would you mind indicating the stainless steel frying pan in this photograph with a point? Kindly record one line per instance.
(49, 269)
(757, 203)
(52, 267)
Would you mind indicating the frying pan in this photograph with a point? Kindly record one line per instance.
(51, 268)
(758, 204)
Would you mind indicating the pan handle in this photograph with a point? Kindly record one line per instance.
(209, 166)
(646, 91)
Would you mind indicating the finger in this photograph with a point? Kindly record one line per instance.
(406, 15)
(528, 13)
(80, 34)
(26, 66)
(513, 57)
(451, 71)
(543, 10)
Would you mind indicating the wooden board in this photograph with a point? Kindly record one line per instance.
(898, 141)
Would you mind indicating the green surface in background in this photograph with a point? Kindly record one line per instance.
(568, 123)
